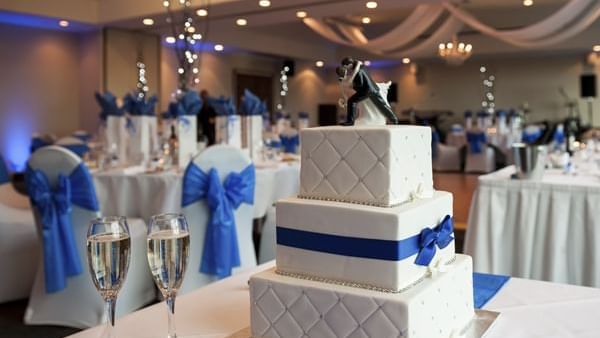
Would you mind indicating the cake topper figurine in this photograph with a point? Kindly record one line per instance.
(369, 96)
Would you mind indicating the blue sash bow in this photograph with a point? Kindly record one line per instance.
(4, 178)
(290, 143)
(61, 258)
(439, 236)
(79, 149)
(221, 253)
(380, 249)
(476, 141)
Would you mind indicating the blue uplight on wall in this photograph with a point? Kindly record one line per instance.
(36, 21)
(15, 133)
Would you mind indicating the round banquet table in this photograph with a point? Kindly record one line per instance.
(133, 193)
(547, 230)
(528, 309)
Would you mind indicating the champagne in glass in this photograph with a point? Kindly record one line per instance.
(108, 252)
(168, 251)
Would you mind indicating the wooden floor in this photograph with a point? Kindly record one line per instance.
(462, 187)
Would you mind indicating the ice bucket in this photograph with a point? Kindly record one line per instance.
(530, 161)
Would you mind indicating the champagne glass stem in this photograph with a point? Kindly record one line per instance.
(170, 300)
(110, 305)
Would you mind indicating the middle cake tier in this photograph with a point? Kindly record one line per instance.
(372, 247)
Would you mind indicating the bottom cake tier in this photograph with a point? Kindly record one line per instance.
(287, 307)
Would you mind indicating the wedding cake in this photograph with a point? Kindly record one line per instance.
(367, 248)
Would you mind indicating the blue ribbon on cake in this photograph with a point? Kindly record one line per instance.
(424, 244)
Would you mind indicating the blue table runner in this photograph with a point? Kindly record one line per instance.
(486, 286)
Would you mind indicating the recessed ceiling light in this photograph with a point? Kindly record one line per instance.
(148, 22)
(596, 48)
(170, 39)
(366, 20)
(202, 12)
(63, 23)
(406, 61)
(264, 3)
(319, 63)
(241, 22)
(166, 3)
(219, 47)
(301, 14)
(371, 4)
(527, 3)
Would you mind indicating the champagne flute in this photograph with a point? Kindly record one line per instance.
(168, 251)
(108, 252)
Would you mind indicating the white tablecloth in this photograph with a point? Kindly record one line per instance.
(134, 193)
(547, 230)
(528, 309)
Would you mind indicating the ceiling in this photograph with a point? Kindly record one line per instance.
(276, 30)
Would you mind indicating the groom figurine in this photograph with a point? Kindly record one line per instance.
(352, 72)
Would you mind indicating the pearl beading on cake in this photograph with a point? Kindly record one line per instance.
(360, 285)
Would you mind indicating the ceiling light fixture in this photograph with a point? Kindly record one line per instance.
(148, 22)
(371, 4)
(264, 3)
(301, 14)
(319, 63)
(170, 39)
(241, 22)
(63, 23)
(596, 48)
(366, 20)
(527, 3)
(202, 12)
(405, 61)
(219, 47)
(455, 52)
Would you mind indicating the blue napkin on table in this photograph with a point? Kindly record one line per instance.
(486, 286)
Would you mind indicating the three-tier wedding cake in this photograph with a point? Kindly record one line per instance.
(367, 248)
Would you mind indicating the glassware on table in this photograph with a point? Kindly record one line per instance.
(168, 252)
(108, 252)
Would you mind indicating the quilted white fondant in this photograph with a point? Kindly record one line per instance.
(361, 221)
(377, 165)
(285, 307)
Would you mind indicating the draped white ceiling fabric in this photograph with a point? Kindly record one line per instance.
(570, 20)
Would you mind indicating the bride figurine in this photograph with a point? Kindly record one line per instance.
(369, 97)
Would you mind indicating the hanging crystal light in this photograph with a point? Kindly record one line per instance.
(455, 52)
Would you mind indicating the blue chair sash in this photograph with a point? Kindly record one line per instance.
(61, 258)
(79, 149)
(476, 141)
(423, 244)
(221, 253)
(435, 140)
(4, 178)
(37, 143)
(559, 136)
(251, 104)
(290, 143)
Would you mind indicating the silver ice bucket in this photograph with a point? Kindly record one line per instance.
(530, 161)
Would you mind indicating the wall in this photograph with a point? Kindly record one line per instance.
(39, 87)
(535, 80)
(90, 79)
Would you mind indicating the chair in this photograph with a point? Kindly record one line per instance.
(225, 160)
(79, 304)
(268, 239)
(480, 157)
(74, 144)
(18, 242)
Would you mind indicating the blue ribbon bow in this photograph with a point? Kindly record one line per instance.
(290, 143)
(108, 105)
(61, 258)
(251, 104)
(476, 141)
(439, 236)
(4, 178)
(221, 253)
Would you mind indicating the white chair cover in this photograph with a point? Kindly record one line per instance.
(483, 162)
(447, 158)
(268, 239)
(18, 245)
(79, 304)
(225, 159)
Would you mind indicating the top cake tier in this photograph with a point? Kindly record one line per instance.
(375, 165)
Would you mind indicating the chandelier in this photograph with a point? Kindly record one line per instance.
(455, 52)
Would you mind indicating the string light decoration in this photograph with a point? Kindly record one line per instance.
(283, 79)
(142, 82)
(187, 42)
(489, 99)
